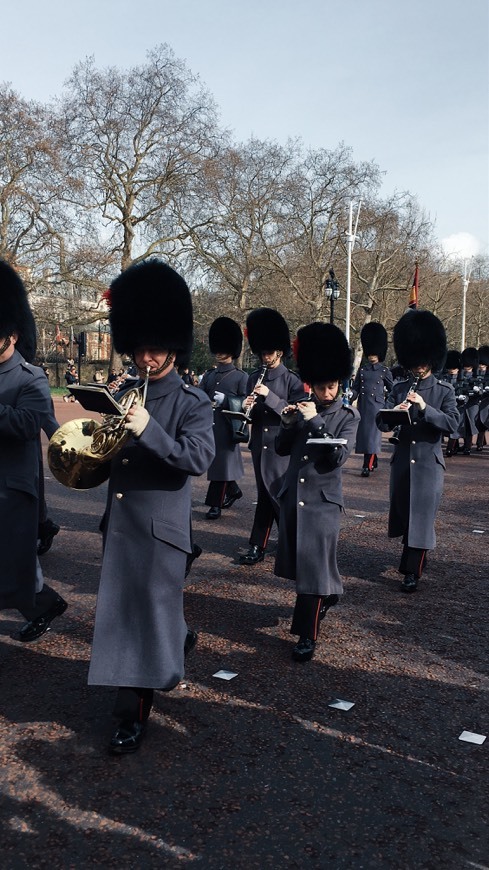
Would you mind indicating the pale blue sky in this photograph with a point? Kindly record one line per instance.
(403, 83)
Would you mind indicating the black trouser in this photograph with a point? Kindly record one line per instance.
(133, 703)
(44, 601)
(218, 490)
(370, 460)
(452, 445)
(481, 439)
(265, 513)
(305, 620)
(412, 561)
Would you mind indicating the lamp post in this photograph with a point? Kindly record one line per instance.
(332, 293)
(467, 271)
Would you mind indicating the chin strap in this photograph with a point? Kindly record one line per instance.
(170, 357)
(5, 346)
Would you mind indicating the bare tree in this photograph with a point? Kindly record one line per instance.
(133, 140)
(27, 161)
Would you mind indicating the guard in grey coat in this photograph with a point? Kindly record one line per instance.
(226, 387)
(25, 406)
(417, 466)
(311, 497)
(372, 384)
(269, 390)
(140, 636)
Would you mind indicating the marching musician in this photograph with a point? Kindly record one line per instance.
(417, 467)
(225, 385)
(311, 498)
(473, 394)
(269, 390)
(372, 384)
(482, 416)
(25, 408)
(451, 371)
(141, 637)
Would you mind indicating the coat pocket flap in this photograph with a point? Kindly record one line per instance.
(331, 498)
(23, 484)
(177, 537)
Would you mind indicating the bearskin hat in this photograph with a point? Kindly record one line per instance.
(420, 338)
(470, 357)
(484, 355)
(150, 306)
(322, 353)
(374, 340)
(225, 336)
(453, 360)
(266, 329)
(15, 312)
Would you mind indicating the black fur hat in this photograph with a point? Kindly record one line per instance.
(470, 357)
(225, 336)
(374, 340)
(150, 306)
(322, 353)
(484, 355)
(266, 329)
(453, 360)
(420, 338)
(15, 312)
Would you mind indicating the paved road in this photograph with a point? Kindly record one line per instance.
(260, 772)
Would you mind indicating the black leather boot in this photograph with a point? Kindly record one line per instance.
(255, 554)
(409, 584)
(304, 650)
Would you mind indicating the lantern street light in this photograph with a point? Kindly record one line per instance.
(332, 293)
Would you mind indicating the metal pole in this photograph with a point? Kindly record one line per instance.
(331, 310)
(350, 238)
(464, 304)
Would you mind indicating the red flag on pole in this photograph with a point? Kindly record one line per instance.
(57, 337)
(413, 296)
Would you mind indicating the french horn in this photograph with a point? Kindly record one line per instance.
(79, 452)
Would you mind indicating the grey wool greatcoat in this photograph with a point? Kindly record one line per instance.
(227, 463)
(417, 465)
(140, 628)
(372, 384)
(286, 388)
(311, 500)
(25, 404)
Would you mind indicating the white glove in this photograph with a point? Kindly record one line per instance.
(219, 399)
(308, 410)
(136, 421)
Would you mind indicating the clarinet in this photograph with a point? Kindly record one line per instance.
(394, 439)
(241, 431)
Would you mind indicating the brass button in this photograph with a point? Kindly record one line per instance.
(119, 495)
(301, 504)
(413, 442)
(305, 457)
(265, 447)
(265, 430)
(125, 462)
(301, 480)
(413, 461)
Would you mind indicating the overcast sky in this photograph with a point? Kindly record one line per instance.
(403, 82)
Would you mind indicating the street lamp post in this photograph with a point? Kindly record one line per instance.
(332, 293)
(465, 279)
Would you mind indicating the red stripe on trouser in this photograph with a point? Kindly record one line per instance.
(371, 461)
(421, 563)
(316, 620)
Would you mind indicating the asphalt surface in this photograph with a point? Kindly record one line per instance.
(260, 771)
